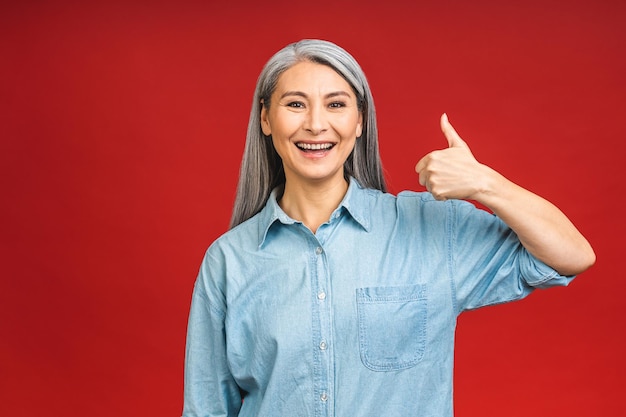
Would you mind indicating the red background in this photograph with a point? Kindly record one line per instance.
(122, 127)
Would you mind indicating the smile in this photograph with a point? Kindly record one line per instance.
(314, 146)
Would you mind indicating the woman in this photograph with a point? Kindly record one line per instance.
(331, 297)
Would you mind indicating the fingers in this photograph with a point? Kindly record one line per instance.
(420, 165)
(445, 173)
(454, 140)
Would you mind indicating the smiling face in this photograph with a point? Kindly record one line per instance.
(314, 121)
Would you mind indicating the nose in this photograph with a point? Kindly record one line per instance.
(316, 121)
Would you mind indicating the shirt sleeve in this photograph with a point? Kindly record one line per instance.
(488, 263)
(210, 390)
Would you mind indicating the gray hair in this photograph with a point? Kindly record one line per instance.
(261, 167)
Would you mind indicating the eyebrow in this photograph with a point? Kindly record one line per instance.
(302, 94)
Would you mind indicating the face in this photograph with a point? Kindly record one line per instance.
(314, 121)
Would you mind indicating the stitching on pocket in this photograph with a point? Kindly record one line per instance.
(392, 326)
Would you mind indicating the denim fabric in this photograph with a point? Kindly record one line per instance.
(356, 320)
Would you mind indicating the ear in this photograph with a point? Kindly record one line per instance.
(359, 126)
(265, 123)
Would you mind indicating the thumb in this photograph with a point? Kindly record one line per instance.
(454, 140)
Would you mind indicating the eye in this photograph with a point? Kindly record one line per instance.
(295, 104)
(337, 104)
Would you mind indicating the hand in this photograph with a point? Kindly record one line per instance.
(451, 173)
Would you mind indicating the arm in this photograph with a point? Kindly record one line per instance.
(210, 389)
(454, 173)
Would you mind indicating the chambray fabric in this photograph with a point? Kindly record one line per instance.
(356, 320)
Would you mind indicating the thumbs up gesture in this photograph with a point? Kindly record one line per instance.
(452, 173)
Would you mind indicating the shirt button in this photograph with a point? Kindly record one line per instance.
(323, 345)
(321, 296)
(318, 251)
(324, 397)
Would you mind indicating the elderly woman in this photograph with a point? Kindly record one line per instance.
(330, 296)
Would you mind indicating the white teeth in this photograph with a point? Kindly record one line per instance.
(314, 146)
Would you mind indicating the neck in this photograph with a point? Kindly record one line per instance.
(312, 204)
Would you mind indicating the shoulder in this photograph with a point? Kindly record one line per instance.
(425, 199)
(422, 201)
(415, 206)
(243, 237)
(404, 199)
(227, 256)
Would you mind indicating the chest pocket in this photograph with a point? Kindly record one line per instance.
(392, 326)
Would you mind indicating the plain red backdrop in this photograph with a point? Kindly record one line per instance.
(122, 126)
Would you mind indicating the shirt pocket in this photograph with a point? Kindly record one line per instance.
(392, 326)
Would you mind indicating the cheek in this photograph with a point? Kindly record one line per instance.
(353, 126)
(281, 143)
(284, 125)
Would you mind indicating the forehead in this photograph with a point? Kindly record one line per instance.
(310, 77)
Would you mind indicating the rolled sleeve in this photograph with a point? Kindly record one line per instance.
(488, 262)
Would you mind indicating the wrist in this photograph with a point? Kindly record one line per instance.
(491, 187)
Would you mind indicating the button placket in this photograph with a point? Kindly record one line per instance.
(323, 310)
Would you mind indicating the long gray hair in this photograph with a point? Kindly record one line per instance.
(261, 167)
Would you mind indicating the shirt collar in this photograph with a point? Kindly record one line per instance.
(354, 203)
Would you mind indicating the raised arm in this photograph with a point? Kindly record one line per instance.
(454, 173)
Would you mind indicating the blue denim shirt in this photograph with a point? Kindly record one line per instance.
(355, 320)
